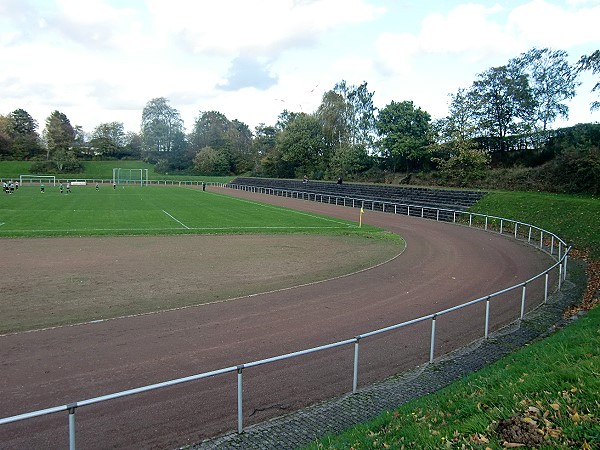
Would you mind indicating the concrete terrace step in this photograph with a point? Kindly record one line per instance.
(421, 196)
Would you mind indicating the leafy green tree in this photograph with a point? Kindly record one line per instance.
(360, 113)
(239, 144)
(213, 129)
(349, 161)
(504, 103)
(210, 161)
(591, 62)
(59, 134)
(5, 137)
(263, 144)
(20, 139)
(461, 121)
(285, 118)
(404, 135)
(466, 163)
(210, 130)
(133, 146)
(302, 144)
(553, 80)
(162, 127)
(108, 139)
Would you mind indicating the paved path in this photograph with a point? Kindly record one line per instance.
(442, 266)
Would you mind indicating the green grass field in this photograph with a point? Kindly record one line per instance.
(150, 210)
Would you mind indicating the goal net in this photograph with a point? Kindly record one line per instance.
(130, 176)
(27, 178)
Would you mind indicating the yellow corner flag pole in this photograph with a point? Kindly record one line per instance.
(362, 211)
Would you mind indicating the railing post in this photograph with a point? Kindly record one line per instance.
(552, 246)
(437, 215)
(565, 270)
(408, 210)
(516, 229)
(432, 346)
(560, 275)
(501, 225)
(355, 374)
(541, 239)
(529, 238)
(71, 408)
(486, 223)
(470, 219)
(240, 368)
(422, 212)
(546, 289)
(487, 317)
(454, 216)
(523, 301)
(559, 250)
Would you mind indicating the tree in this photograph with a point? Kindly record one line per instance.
(239, 143)
(285, 118)
(59, 134)
(553, 80)
(20, 139)
(301, 144)
(133, 145)
(5, 137)
(465, 164)
(403, 131)
(108, 139)
(591, 62)
(504, 103)
(210, 161)
(162, 127)
(213, 129)
(359, 113)
(461, 121)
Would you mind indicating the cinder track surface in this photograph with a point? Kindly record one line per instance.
(442, 266)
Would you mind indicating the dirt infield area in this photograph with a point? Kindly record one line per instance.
(443, 265)
(58, 281)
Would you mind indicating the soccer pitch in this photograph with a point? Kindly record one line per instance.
(149, 210)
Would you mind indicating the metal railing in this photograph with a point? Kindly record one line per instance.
(538, 237)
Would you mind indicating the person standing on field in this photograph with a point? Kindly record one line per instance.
(68, 188)
(60, 187)
(42, 187)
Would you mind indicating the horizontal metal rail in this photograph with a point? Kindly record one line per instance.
(560, 263)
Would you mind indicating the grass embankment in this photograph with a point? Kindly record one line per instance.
(549, 390)
(100, 170)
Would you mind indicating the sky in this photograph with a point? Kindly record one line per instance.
(100, 61)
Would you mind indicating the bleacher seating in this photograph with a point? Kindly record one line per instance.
(452, 199)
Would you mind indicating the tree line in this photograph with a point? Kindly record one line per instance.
(503, 118)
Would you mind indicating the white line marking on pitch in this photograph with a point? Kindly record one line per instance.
(178, 221)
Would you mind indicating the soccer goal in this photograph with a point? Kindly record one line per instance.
(37, 179)
(130, 176)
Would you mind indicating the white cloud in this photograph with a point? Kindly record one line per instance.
(542, 24)
(232, 26)
(477, 32)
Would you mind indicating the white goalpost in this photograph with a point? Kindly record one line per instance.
(130, 176)
(37, 179)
